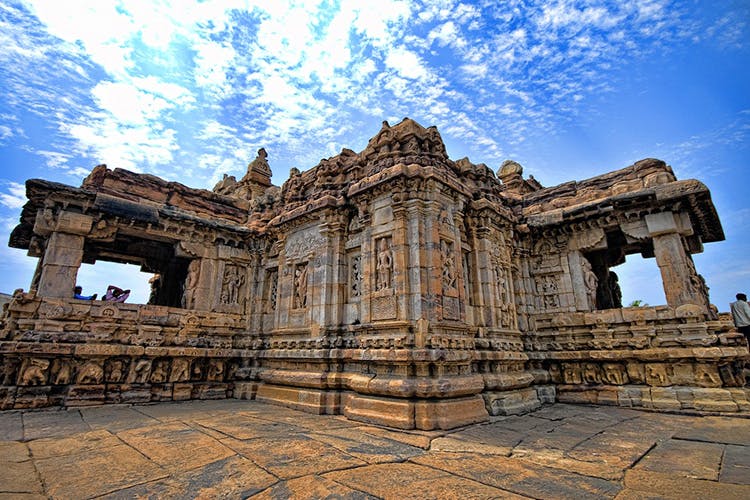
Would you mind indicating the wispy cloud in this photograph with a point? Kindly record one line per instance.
(15, 197)
(153, 87)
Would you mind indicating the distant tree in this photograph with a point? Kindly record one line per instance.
(638, 303)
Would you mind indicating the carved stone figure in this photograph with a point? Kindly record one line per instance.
(449, 266)
(225, 185)
(591, 373)
(197, 369)
(180, 370)
(34, 372)
(384, 265)
(615, 374)
(590, 281)
(233, 280)
(656, 374)
(300, 286)
(215, 370)
(191, 283)
(159, 371)
(355, 276)
(62, 370)
(115, 370)
(273, 283)
(613, 282)
(10, 369)
(572, 373)
(90, 373)
(140, 371)
(155, 285)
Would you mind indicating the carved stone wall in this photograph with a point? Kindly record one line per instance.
(393, 286)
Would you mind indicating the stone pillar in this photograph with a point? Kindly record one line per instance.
(671, 258)
(63, 255)
(331, 274)
(485, 299)
(415, 233)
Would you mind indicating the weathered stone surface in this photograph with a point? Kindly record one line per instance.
(115, 419)
(687, 458)
(233, 477)
(11, 426)
(312, 487)
(520, 477)
(75, 444)
(620, 454)
(96, 472)
(293, 456)
(716, 429)
(366, 447)
(664, 485)
(52, 423)
(18, 477)
(735, 465)
(175, 446)
(413, 481)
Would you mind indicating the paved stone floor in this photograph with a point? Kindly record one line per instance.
(240, 449)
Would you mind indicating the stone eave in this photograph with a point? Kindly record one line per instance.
(152, 190)
(648, 172)
(306, 210)
(484, 205)
(692, 194)
(41, 192)
(438, 173)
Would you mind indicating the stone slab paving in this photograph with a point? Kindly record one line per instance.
(248, 449)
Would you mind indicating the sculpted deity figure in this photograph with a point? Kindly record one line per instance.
(291, 190)
(191, 282)
(590, 281)
(273, 283)
(300, 287)
(384, 265)
(449, 266)
(356, 276)
(233, 280)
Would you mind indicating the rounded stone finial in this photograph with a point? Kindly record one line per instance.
(509, 168)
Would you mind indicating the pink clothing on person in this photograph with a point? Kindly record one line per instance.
(116, 294)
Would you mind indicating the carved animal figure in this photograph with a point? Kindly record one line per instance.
(115, 369)
(90, 373)
(35, 372)
(64, 372)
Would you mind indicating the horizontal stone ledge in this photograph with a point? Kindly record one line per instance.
(500, 356)
(506, 381)
(656, 354)
(393, 386)
(411, 387)
(35, 348)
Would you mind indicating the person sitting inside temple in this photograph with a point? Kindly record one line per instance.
(116, 294)
(77, 294)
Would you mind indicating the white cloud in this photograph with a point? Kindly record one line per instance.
(446, 34)
(406, 63)
(15, 197)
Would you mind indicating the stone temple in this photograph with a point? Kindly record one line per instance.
(394, 286)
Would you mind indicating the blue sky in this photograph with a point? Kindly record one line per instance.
(189, 91)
